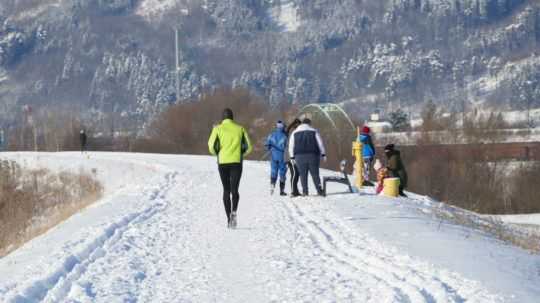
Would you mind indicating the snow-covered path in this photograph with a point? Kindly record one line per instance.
(160, 235)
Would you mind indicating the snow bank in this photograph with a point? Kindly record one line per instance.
(160, 235)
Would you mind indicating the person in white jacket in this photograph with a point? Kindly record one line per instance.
(306, 148)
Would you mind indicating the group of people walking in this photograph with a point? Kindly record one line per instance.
(300, 143)
(305, 149)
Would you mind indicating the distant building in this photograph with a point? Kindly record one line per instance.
(377, 125)
(375, 116)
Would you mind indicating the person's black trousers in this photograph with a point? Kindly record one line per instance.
(308, 163)
(230, 175)
(295, 177)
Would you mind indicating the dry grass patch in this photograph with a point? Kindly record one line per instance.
(33, 201)
(526, 238)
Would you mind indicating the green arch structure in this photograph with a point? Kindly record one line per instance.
(333, 114)
(326, 109)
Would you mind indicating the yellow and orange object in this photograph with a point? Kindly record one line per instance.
(359, 161)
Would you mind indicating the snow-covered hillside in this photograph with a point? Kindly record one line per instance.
(155, 8)
(286, 16)
(470, 54)
(160, 235)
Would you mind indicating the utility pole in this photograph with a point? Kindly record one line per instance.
(463, 112)
(112, 119)
(184, 12)
(177, 72)
(529, 96)
(2, 139)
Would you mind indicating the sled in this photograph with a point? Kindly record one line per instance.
(337, 179)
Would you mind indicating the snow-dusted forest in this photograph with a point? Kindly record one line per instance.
(117, 58)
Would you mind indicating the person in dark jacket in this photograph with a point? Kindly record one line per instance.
(368, 152)
(306, 148)
(395, 167)
(83, 140)
(293, 168)
(276, 143)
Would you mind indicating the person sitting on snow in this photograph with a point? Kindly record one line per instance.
(395, 167)
(276, 143)
(382, 173)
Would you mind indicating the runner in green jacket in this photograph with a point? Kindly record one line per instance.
(230, 142)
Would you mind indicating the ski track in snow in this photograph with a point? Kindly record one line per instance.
(54, 287)
(175, 247)
(404, 280)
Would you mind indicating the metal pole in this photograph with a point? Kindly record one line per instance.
(35, 139)
(112, 119)
(529, 122)
(177, 71)
(462, 112)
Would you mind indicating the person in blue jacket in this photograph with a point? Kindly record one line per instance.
(368, 152)
(276, 143)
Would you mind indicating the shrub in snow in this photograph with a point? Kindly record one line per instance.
(32, 201)
(399, 120)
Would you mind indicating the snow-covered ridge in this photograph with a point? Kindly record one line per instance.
(530, 219)
(35, 10)
(155, 8)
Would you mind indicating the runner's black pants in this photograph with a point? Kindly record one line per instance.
(295, 177)
(230, 178)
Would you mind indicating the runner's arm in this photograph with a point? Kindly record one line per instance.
(212, 141)
(249, 147)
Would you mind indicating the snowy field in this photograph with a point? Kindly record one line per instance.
(159, 235)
